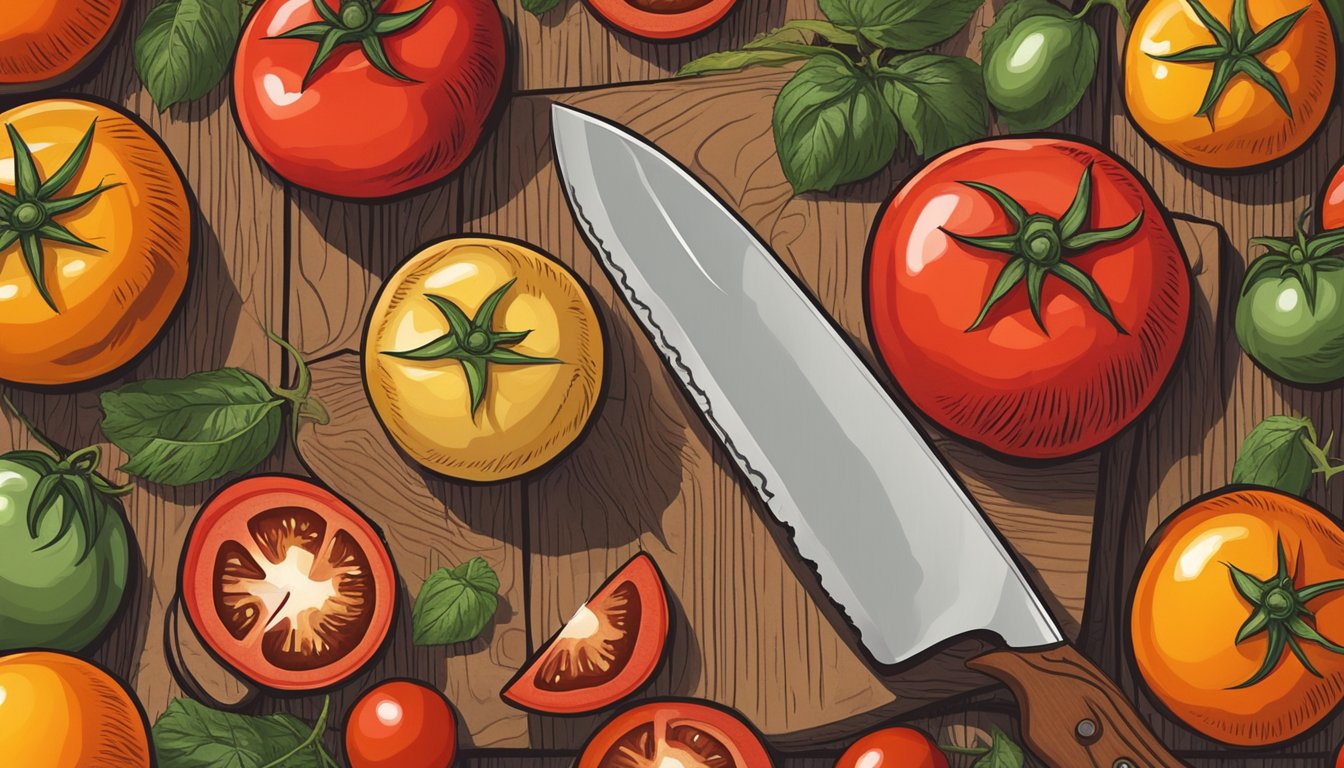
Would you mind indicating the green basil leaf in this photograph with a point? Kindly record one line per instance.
(1003, 753)
(940, 100)
(538, 7)
(831, 126)
(202, 427)
(191, 735)
(782, 46)
(902, 25)
(1273, 455)
(455, 605)
(184, 48)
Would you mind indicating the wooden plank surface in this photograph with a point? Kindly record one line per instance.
(752, 629)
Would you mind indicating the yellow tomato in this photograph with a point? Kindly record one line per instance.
(58, 711)
(1247, 125)
(106, 299)
(483, 358)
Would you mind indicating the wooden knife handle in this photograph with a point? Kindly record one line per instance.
(1073, 716)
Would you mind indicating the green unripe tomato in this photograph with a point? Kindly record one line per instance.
(1037, 62)
(1291, 340)
(52, 593)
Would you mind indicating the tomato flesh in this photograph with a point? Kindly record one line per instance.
(607, 651)
(675, 733)
(1009, 384)
(287, 584)
(401, 724)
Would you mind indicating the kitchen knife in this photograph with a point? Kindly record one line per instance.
(897, 543)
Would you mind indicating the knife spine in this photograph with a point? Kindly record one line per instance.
(667, 350)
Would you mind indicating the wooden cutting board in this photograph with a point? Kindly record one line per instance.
(752, 630)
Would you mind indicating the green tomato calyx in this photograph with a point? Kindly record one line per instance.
(357, 22)
(475, 343)
(72, 480)
(1279, 610)
(1302, 256)
(1040, 245)
(27, 215)
(1236, 51)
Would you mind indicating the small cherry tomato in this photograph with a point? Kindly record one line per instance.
(893, 748)
(662, 19)
(401, 724)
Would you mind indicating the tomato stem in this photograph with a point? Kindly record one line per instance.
(319, 728)
(1235, 51)
(1280, 612)
(475, 343)
(303, 405)
(1118, 6)
(27, 217)
(356, 23)
(1040, 245)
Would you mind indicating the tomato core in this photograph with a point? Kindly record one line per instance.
(28, 217)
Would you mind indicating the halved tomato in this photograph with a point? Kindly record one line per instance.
(687, 734)
(662, 19)
(287, 584)
(609, 650)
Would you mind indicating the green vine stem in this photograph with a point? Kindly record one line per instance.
(311, 742)
(303, 405)
(1118, 6)
(84, 461)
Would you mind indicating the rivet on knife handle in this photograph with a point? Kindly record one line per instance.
(1072, 714)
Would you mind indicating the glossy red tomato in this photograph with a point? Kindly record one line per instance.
(893, 748)
(1027, 294)
(401, 724)
(663, 19)
(399, 102)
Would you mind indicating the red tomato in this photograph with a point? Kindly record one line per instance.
(893, 748)
(385, 112)
(1332, 201)
(662, 19)
(401, 724)
(607, 651)
(287, 584)
(686, 734)
(1040, 384)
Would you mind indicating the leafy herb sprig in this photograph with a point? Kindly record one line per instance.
(191, 735)
(207, 425)
(867, 82)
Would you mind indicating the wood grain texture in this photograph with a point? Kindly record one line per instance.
(236, 288)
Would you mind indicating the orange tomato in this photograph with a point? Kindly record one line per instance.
(44, 42)
(1188, 612)
(1246, 126)
(111, 297)
(58, 711)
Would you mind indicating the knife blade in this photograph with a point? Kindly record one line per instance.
(896, 541)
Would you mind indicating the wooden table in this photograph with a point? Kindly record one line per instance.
(750, 629)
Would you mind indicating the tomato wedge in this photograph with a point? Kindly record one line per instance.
(609, 650)
(287, 584)
(687, 734)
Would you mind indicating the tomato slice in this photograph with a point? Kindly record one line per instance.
(686, 734)
(609, 650)
(287, 584)
(662, 19)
